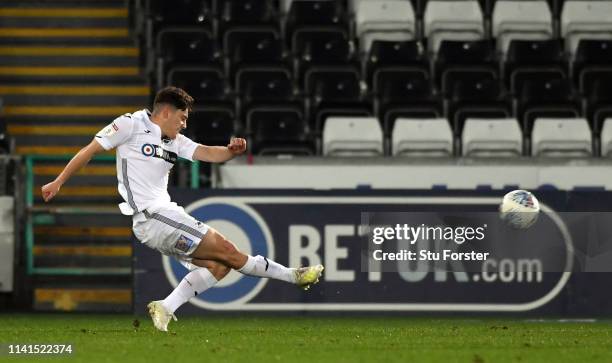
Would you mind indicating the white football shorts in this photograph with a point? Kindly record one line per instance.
(170, 230)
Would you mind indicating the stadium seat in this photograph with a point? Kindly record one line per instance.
(279, 130)
(521, 20)
(211, 125)
(352, 136)
(461, 61)
(482, 98)
(592, 62)
(207, 85)
(422, 137)
(265, 87)
(553, 98)
(561, 138)
(248, 47)
(320, 47)
(403, 93)
(314, 14)
(492, 138)
(606, 138)
(599, 103)
(384, 54)
(334, 91)
(163, 13)
(181, 12)
(245, 13)
(452, 20)
(185, 47)
(529, 60)
(390, 20)
(585, 19)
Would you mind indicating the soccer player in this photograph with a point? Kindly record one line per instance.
(148, 145)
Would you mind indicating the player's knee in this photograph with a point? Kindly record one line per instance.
(219, 270)
(231, 255)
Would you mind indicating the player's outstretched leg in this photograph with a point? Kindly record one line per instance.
(215, 246)
(194, 283)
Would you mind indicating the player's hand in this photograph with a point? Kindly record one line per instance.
(237, 146)
(50, 190)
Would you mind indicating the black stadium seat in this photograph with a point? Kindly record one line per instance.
(313, 13)
(246, 13)
(248, 47)
(599, 104)
(211, 125)
(554, 98)
(402, 93)
(334, 91)
(207, 86)
(162, 14)
(457, 61)
(409, 54)
(322, 47)
(479, 99)
(529, 60)
(177, 47)
(187, 45)
(265, 87)
(592, 62)
(165, 13)
(278, 130)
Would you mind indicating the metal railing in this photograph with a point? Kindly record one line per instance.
(45, 216)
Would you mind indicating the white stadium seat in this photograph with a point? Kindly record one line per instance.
(492, 137)
(452, 20)
(391, 20)
(561, 138)
(352, 136)
(606, 138)
(585, 20)
(422, 137)
(521, 20)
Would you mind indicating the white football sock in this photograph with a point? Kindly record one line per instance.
(193, 284)
(262, 267)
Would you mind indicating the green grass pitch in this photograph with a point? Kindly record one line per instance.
(123, 338)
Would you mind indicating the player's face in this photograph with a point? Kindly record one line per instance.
(176, 122)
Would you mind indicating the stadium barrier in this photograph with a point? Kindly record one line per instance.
(309, 227)
(45, 215)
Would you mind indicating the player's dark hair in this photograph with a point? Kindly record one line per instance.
(174, 96)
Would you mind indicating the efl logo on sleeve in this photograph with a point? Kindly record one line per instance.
(109, 130)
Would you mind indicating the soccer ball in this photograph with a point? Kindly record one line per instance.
(519, 209)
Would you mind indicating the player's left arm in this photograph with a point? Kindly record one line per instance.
(219, 154)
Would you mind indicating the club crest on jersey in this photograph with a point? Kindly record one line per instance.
(159, 152)
(183, 243)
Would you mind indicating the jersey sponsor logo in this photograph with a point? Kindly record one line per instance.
(184, 243)
(157, 151)
(148, 150)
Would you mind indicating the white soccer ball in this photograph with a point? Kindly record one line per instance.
(519, 209)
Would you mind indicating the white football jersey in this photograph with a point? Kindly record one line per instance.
(143, 159)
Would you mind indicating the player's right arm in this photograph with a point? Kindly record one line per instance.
(113, 135)
(78, 161)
